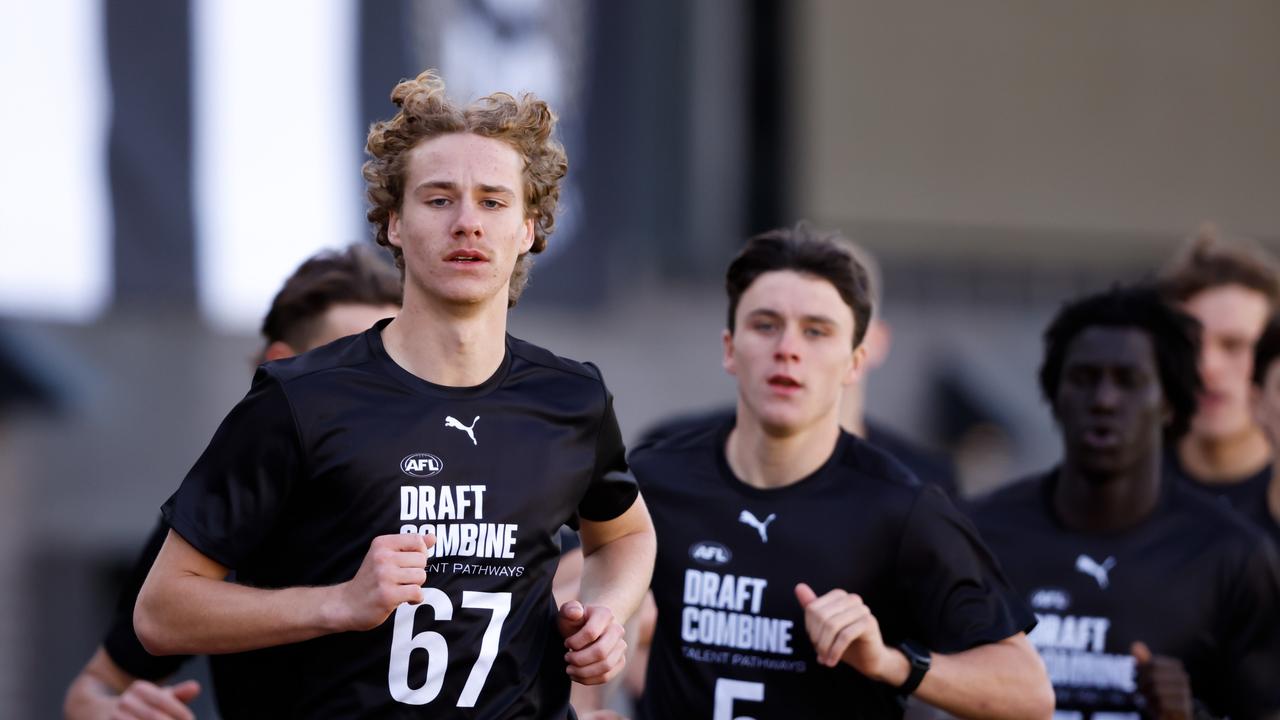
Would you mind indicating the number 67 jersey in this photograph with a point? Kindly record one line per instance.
(730, 639)
(340, 445)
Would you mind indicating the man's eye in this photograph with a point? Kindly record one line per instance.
(491, 204)
(816, 332)
(438, 202)
(1080, 376)
(763, 326)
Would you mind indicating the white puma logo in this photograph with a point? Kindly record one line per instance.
(456, 424)
(1098, 571)
(761, 527)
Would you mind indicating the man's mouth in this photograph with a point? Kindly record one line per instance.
(784, 382)
(466, 255)
(1101, 437)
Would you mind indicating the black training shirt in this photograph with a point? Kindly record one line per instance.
(1192, 581)
(339, 445)
(730, 639)
(1248, 495)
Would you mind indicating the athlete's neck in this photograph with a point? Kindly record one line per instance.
(1225, 460)
(1104, 504)
(852, 408)
(771, 460)
(455, 346)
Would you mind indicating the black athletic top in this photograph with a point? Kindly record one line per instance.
(339, 445)
(730, 638)
(1247, 496)
(1192, 581)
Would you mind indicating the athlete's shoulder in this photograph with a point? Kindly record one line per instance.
(1018, 501)
(863, 458)
(684, 432)
(1214, 517)
(1015, 494)
(542, 358)
(346, 352)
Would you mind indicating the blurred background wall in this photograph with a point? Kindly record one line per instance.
(166, 163)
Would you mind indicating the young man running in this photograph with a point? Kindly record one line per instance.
(390, 503)
(1153, 600)
(802, 572)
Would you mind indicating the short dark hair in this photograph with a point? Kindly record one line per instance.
(804, 250)
(1210, 260)
(358, 274)
(1266, 350)
(1175, 338)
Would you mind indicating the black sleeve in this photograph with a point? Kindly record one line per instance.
(1251, 632)
(613, 488)
(121, 642)
(569, 539)
(232, 496)
(958, 598)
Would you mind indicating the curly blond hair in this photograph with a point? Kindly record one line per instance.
(425, 112)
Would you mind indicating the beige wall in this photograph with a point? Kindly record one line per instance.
(1112, 120)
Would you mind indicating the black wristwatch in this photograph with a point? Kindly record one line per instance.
(920, 660)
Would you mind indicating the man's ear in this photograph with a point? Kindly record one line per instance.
(393, 230)
(529, 235)
(878, 340)
(857, 365)
(730, 366)
(279, 350)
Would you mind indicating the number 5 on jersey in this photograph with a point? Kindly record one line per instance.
(729, 690)
(404, 642)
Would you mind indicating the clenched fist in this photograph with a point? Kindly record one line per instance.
(594, 637)
(841, 627)
(393, 572)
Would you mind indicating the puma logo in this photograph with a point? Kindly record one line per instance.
(1094, 569)
(452, 422)
(761, 527)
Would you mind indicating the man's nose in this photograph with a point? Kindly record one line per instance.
(467, 222)
(787, 348)
(1106, 395)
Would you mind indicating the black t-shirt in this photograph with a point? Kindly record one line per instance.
(1247, 496)
(730, 637)
(337, 446)
(926, 465)
(1192, 581)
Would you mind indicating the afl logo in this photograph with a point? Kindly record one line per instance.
(1050, 598)
(421, 465)
(710, 553)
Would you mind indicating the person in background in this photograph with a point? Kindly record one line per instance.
(1153, 600)
(331, 295)
(1231, 287)
(801, 571)
(1266, 409)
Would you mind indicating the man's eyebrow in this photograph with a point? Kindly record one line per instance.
(825, 320)
(450, 185)
(436, 185)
